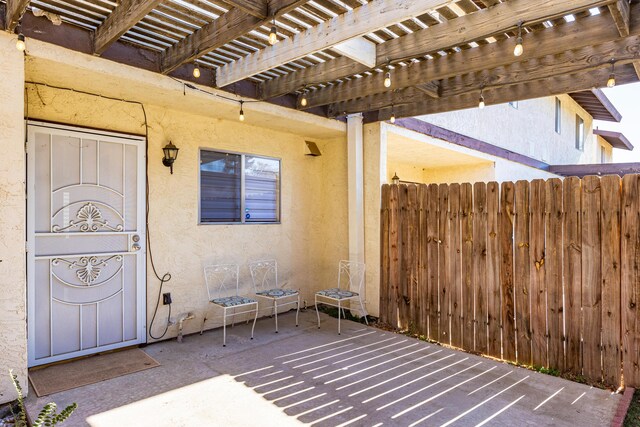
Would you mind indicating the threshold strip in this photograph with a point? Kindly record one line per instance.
(499, 412)
(548, 398)
(407, 383)
(425, 418)
(468, 411)
(417, 405)
(324, 345)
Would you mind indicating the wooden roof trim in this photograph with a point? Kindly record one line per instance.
(596, 103)
(616, 139)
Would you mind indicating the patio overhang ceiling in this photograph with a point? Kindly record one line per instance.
(335, 53)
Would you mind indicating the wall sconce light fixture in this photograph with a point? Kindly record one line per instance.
(395, 180)
(170, 155)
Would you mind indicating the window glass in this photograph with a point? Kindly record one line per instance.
(558, 115)
(579, 133)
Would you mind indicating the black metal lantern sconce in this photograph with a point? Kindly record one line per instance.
(170, 155)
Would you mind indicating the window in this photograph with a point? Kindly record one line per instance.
(238, 188)
(558, 115)
(579, 133)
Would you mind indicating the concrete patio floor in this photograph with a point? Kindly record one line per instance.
(364, 377)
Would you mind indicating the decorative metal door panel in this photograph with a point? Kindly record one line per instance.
(86, 235)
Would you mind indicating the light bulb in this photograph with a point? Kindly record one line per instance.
(20, 44)
(481, 103)
(241, 118)
(196, 72)
(303, 101)
(519, 49)
(612, 80)
(392, 119)
(273, 36)
(387, 79)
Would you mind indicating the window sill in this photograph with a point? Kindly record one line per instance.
(240, 223)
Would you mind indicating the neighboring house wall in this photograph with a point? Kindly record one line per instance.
(528, 129)
(13, 327)
(605, 151)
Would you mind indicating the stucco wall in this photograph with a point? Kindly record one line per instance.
(13, 328)
(528, 129)
(313, 200)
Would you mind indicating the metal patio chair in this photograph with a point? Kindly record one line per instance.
(350, 276)
(264, 275)
(221, 281)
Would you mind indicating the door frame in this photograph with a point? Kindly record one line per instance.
(141, 276)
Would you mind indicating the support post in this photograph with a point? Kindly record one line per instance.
(356, 189)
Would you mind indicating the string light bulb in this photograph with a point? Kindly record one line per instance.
(519, 49)
(612, 77)
(20, 43)
(196, 71)
(241, 117)
(273, 34)
(481, 103)
(303, 100)
(392, 119)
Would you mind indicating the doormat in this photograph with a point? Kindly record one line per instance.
(93, 369)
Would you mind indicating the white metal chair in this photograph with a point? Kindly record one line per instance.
(264, 275)
(221, 281)
(350, 276)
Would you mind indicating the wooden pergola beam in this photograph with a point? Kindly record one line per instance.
(14, 11)
(257, 8)
(499, 18)
(231, 25)
(589, 58)
(620, 11)
(124, 17)
(536, 89)
(355, 23)
(593, 30)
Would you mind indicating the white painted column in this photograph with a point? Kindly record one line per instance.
(356, 193)
(13, 286)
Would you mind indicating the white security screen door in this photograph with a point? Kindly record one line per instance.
(85, 241)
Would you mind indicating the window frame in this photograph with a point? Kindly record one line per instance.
(580, 136)
(558, 116)
(242, 188)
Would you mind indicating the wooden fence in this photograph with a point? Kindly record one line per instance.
(544, 273)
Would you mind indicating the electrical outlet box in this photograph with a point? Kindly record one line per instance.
(166, 298)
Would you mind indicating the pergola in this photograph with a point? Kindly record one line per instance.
(335, 54)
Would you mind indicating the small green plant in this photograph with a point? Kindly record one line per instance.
(549, 371)
(47, 416)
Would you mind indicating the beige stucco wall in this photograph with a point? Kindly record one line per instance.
(528, 129)
(13, 328)
(313, 199)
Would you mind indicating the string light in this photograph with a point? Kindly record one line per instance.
(196, 71)
(387, 77)
(303, 100)
(241, 118)
(392, 119)
(20, 43)
(612, 77)
(519, 49)
(273, 34)
(481, 103)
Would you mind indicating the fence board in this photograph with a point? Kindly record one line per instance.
(384, 253)
(480, 263)
(505, 236)
(455, 252)
(522, 273)
(610, 229)
(423, 274)
(413, 254)
(405, 257)
(591, 277)
(494, 313)
(444, 270)
(572, 274)
(468, 319)
(630, 278)
(432, 229)
(537, 268)
(394, 256)
(553, 273)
